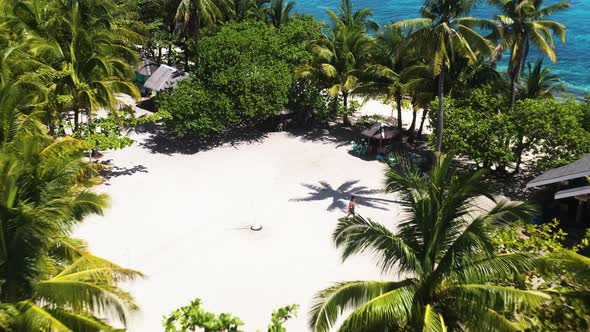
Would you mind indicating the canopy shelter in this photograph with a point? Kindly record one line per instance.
(380, 131)
(577, 169)
(379, 135)
(164, 77)
(581, 193)
(145, 69)
(569, 184)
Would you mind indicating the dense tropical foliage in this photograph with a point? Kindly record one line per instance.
(64, 65)
(245, 76)
(453, 275)
(192, 316)
(548, 129)
(60, 59)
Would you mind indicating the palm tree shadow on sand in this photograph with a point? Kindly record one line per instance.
(339, 196)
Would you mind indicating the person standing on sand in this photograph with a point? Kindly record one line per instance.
(351, 205)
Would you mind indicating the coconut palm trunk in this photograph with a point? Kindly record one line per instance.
(520, 57)
(412, 129)
(440, 115)
(345, 118)
(398, 101)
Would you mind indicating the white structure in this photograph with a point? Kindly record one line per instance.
(164, 77)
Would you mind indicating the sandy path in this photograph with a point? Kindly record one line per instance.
(177, 220)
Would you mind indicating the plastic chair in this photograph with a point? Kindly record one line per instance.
(392, 159)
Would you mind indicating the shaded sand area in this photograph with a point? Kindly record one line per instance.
(182, 219)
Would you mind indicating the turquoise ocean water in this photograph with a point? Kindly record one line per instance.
(573, 57)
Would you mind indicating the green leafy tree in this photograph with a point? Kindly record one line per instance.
(245, 77)
(549, 129)
(563, 273)
(522, 23)
(280, 316)
(190, 109)
(193, 316)
(476, 129)
(444, 32)
(540, 82)
(444, 247)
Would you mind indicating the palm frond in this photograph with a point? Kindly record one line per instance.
(331, 302)
(356, 235)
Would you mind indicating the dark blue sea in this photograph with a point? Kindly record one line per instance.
(573, 64)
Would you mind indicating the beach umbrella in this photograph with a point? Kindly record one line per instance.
(380, 131)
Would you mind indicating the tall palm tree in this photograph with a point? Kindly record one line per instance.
(194, 15)
(350, 18)
(83, 55)
(453, 276)
(341, 57)
(50, 282)
(279, 12)
(443, 31)
(523, 22)
(540, 83)
(250, 9)
(420, 86)
(342, 54)
(383, 77)
(92, 63)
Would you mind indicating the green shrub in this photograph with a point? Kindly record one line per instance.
(244, 76)
(482, 127)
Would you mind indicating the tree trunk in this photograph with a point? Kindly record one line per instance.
(519, 156)
(424, 115)
(186, 55)
(523, 52)
(412, 129)
(513, 90)
(440, 116)
(345, 119)
(76, 120)
(159, 55)
(398, 101)
(169, 55)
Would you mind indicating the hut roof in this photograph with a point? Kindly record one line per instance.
(380, 131)
(577, 169)
(147, 67)
(165, 77)
(573, 192)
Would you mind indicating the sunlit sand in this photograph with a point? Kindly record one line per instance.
(183, 220)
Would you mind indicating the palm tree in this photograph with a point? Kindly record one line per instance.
(443, 248)
(83, 55)
(353, 19)
(194, 15)
(383, 78)
(540, 83)
(523, 22)
(341, 57)
(420, 87)
(342, 54)
(246, 9)
(91, 62)
(279, 12)
(442, 32)
(50, 282)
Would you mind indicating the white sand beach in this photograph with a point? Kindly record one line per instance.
(182, 219)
